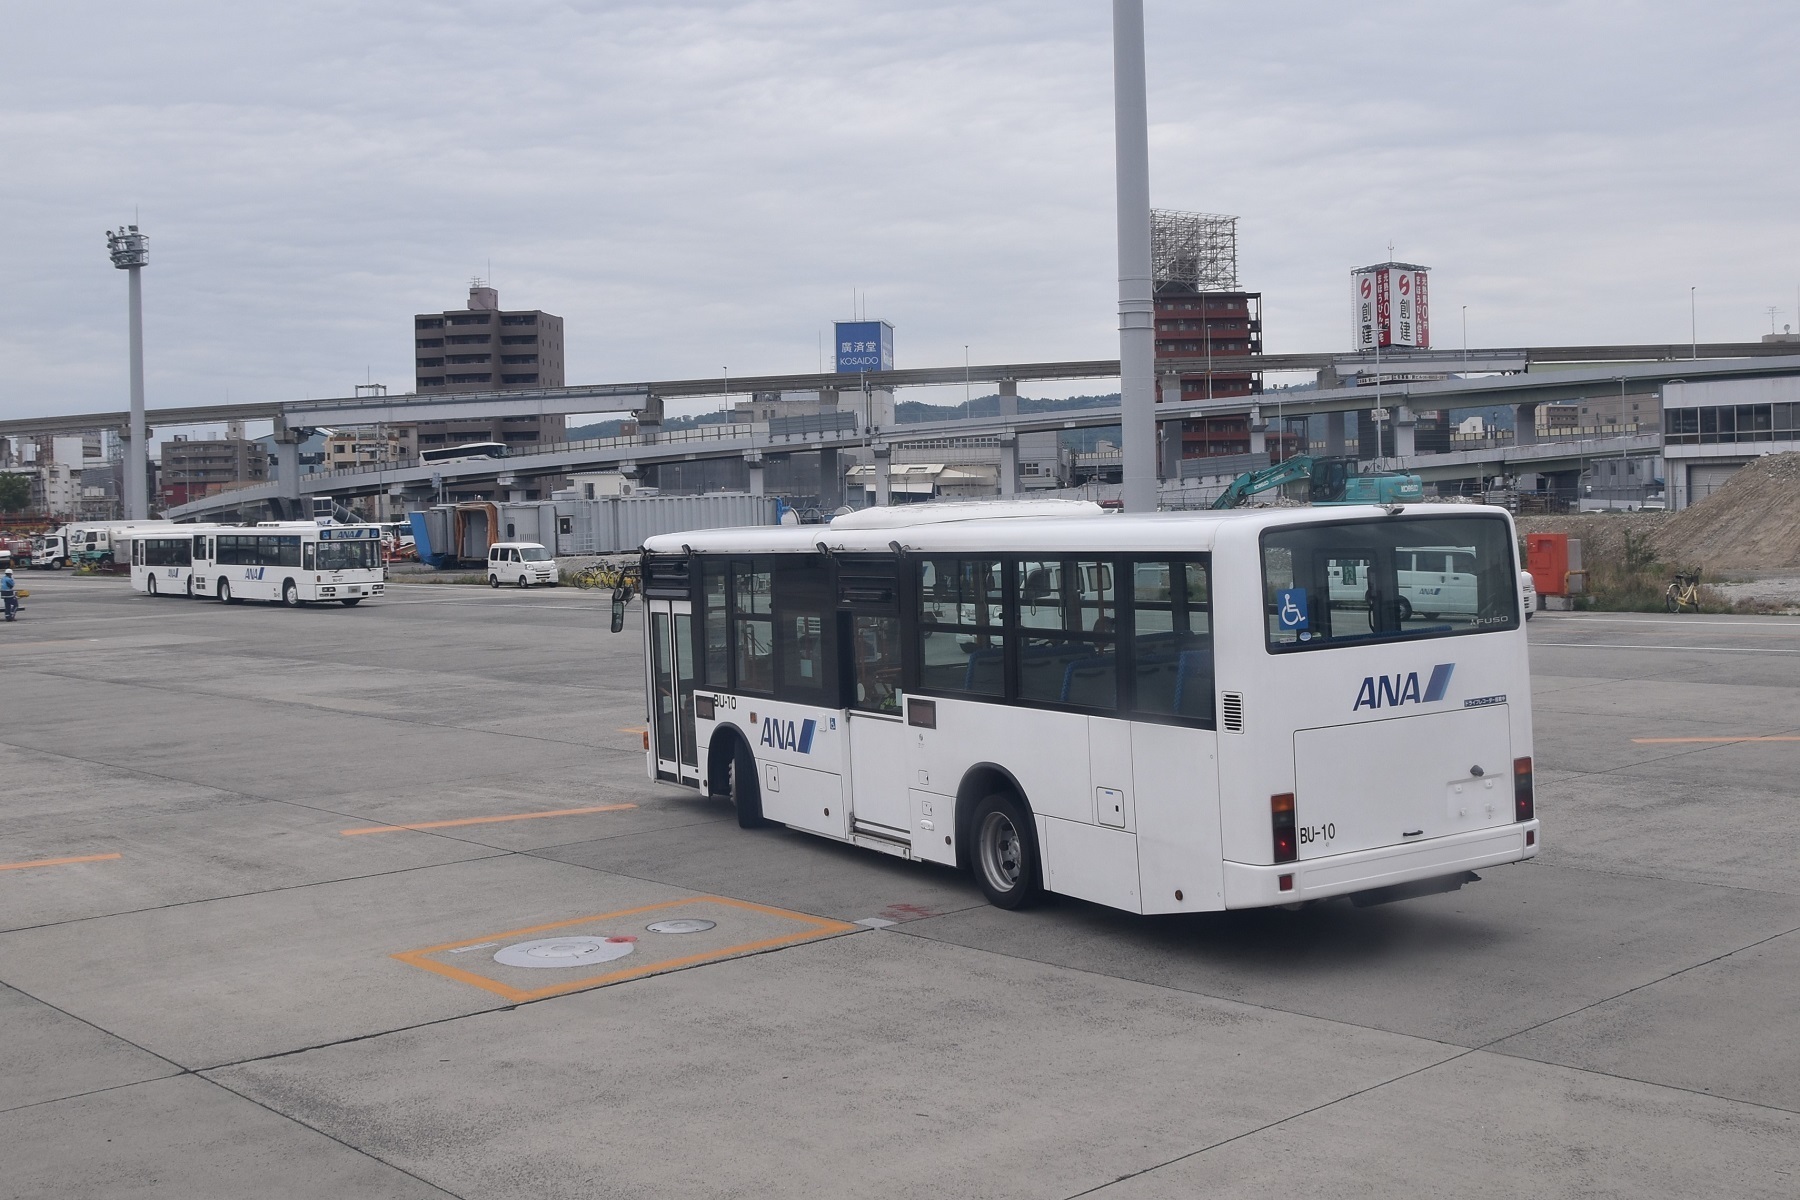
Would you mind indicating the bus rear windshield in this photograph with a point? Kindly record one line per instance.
(1392, 579)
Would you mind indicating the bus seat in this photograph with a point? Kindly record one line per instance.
(1092, 682)
(984, 672)
(1194, 684)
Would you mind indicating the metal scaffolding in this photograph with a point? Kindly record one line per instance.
(1193, 250)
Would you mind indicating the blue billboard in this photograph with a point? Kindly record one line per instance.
(865, 346)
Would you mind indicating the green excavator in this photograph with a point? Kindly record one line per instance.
(1332, 480)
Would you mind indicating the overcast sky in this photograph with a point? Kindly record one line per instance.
(698, 186)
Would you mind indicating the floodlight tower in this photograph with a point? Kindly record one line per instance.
(130, 251)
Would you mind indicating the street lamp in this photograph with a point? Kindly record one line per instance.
(130, 252)
(1693, 324)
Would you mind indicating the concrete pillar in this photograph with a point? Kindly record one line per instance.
(884, 479)
(1259, 431)
(1334, 433)
(1525, 424)
(1169, 435)
(754, 461)
(831, 480)
(287, 459)
(1404, 428)
(1009, 463)
(828, 399)
(1171, 389)
(1009, 397)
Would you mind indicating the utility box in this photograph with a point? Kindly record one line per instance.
(1554, 560)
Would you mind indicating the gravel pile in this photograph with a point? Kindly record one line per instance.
(1750, 524)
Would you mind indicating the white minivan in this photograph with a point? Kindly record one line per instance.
(520, 563)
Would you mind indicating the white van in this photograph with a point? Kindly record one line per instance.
(521, 563)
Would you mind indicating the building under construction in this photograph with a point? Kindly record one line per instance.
(1205, 320)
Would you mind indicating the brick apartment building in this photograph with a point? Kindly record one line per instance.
(191, 470)
(1221, 326)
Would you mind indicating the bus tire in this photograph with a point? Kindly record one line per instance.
(745, 791)
(224, 592)
(352, 602)
(190, 587)
(290, 594)
(1005, 855)
(150, 585)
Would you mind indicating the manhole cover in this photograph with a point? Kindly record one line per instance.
(681, 925)
(565, 951)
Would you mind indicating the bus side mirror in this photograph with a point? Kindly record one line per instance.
(618, 611)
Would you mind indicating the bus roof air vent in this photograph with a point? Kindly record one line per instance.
(904, 515)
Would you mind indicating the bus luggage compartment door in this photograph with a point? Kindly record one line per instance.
(1403, 780)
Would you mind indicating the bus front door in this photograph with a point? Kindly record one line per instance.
(671, 662)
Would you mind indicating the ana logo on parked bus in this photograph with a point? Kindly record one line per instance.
(789, 735)
(254, 572)
(1391, 691)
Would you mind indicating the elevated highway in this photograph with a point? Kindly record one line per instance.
(636, 396)
(758, 442)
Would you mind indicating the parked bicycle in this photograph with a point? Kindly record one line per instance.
(608, 575)
(1683, 593)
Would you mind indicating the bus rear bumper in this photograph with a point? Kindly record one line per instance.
(1252, 886)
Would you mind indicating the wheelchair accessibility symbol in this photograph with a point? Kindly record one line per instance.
(1290, 608)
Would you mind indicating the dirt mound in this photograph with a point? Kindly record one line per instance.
(1602, 534)
(1750, 524)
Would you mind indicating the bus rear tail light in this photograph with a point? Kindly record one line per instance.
(1524, 805)
(1281, 819)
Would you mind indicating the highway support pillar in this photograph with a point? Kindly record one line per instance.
(883, 468)
(1169, 449)
(1259, 431)
(754, 461)
(1405, 426)
(1009, 397)
(1009, 463)
(287, 459)
(831, 480)
(1525, 424)
(1334, 434)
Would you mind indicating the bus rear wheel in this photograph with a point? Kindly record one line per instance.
(150, 585)
(290, 594)
(224, 591)
(746, 794)
(1005, 861)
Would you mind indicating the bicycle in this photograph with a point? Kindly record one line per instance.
(1683, 592)
(608, 575)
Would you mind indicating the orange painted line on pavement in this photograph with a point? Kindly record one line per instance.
(561, 812)
(58, 862)
(1673, 741)
(816, 927)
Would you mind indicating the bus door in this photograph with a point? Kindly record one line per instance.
(880, 750)
(671, 661)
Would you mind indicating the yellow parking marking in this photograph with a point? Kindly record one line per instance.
(560, 812)
(1680, 740)
(59, 862)
(811, 928)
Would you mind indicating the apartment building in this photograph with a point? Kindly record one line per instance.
(191, 469)
(485, 348)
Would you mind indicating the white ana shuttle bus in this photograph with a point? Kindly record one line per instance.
(1171, 713)
(291, 562)
(162, 558)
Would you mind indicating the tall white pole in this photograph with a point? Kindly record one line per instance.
(1137, 304)
(137, 490)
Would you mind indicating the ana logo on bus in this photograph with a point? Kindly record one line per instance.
(789, 735)
(1391, 691)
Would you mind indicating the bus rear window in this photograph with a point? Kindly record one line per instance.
(1398, 578)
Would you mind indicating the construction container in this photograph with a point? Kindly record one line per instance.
(1554, 560)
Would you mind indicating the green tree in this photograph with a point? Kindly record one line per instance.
(15, 493)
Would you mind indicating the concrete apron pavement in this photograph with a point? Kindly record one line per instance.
(250, 1000)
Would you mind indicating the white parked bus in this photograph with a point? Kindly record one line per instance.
(1171, 713)
(291, 562)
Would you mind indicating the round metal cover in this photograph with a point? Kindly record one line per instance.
(681, 925)
(565, 951)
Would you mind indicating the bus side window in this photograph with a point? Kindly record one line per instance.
(875, 643)
(962, 634)
(1172, 653)
(715, 657)
(753, 631)
(806, 621)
